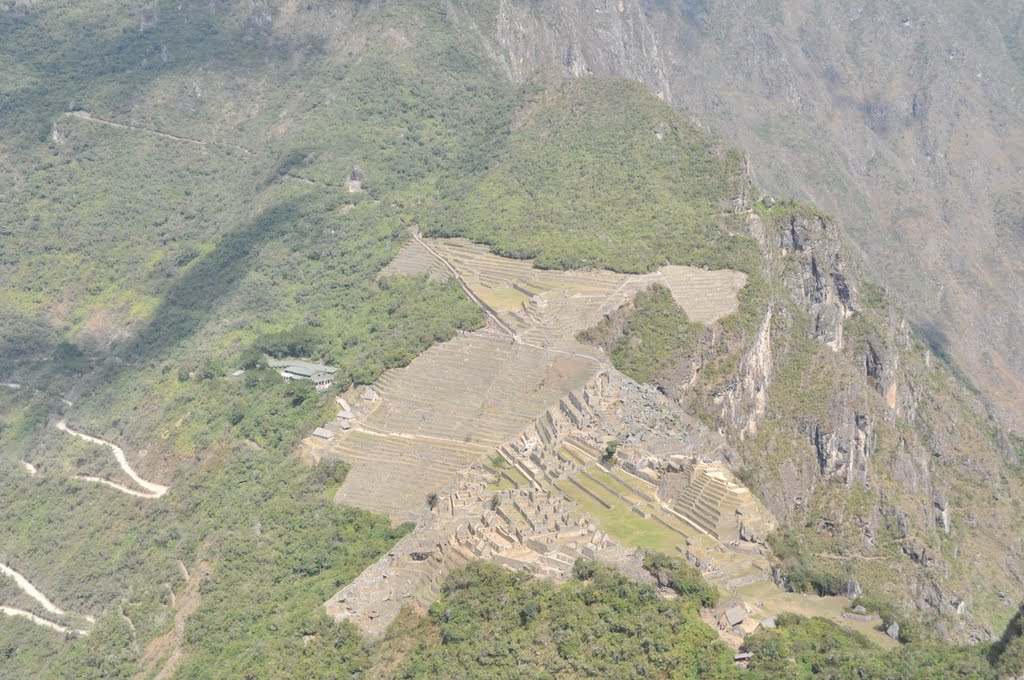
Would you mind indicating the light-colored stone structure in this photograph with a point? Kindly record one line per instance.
(712, 499)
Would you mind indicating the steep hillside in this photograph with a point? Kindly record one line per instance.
(190, 187)
(905, 121)
(889, 475)
(174, 213)
(594, 153)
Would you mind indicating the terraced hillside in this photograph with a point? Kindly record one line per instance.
(526, 388)
(705, 296)
(549, 306)
(459, 400)
(389, 473)
(180, 202)
(414, 258)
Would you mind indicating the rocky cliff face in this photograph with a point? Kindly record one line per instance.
(883, 467)
(744, 403)
(817, 275)
(866, 445)
(603, 37)
(907, 122)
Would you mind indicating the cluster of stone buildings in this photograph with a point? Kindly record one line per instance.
(528, 529)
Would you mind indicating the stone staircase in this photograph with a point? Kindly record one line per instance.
(719, 506)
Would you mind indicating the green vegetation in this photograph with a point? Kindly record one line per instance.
(284, 556)
(804, 574)
(626, 527)
(682, 577)
(810, 648)
(608, 458)
(141, 270)
(260, 535)
(493, 623)
(1007, 655)
(650, 339)
(602, 174)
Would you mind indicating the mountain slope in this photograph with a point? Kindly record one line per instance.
(904, 121)
(199, 184)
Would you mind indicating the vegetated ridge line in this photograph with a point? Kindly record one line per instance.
(155, 490)
(85, 115)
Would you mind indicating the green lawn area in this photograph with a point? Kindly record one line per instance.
(516, 475)
(502, 484)
(624, 525)
(609, 479)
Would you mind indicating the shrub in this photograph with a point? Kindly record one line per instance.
(682, 577)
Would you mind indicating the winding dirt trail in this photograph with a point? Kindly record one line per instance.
(153, 490)
(31, 590)
(40, 621)
(26, 586)
(85, 115)
(117, 487)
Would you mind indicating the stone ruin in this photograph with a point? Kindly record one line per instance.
(527, 529)
(709, 496)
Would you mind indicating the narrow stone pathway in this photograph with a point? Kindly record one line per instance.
(376, 432)
(465, 287)
(490, 313)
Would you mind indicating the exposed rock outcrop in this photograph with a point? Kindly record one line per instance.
(580, 38)
(817, 274)
(745, 401)
(843, 447)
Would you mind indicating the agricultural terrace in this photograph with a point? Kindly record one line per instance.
(459, 400)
